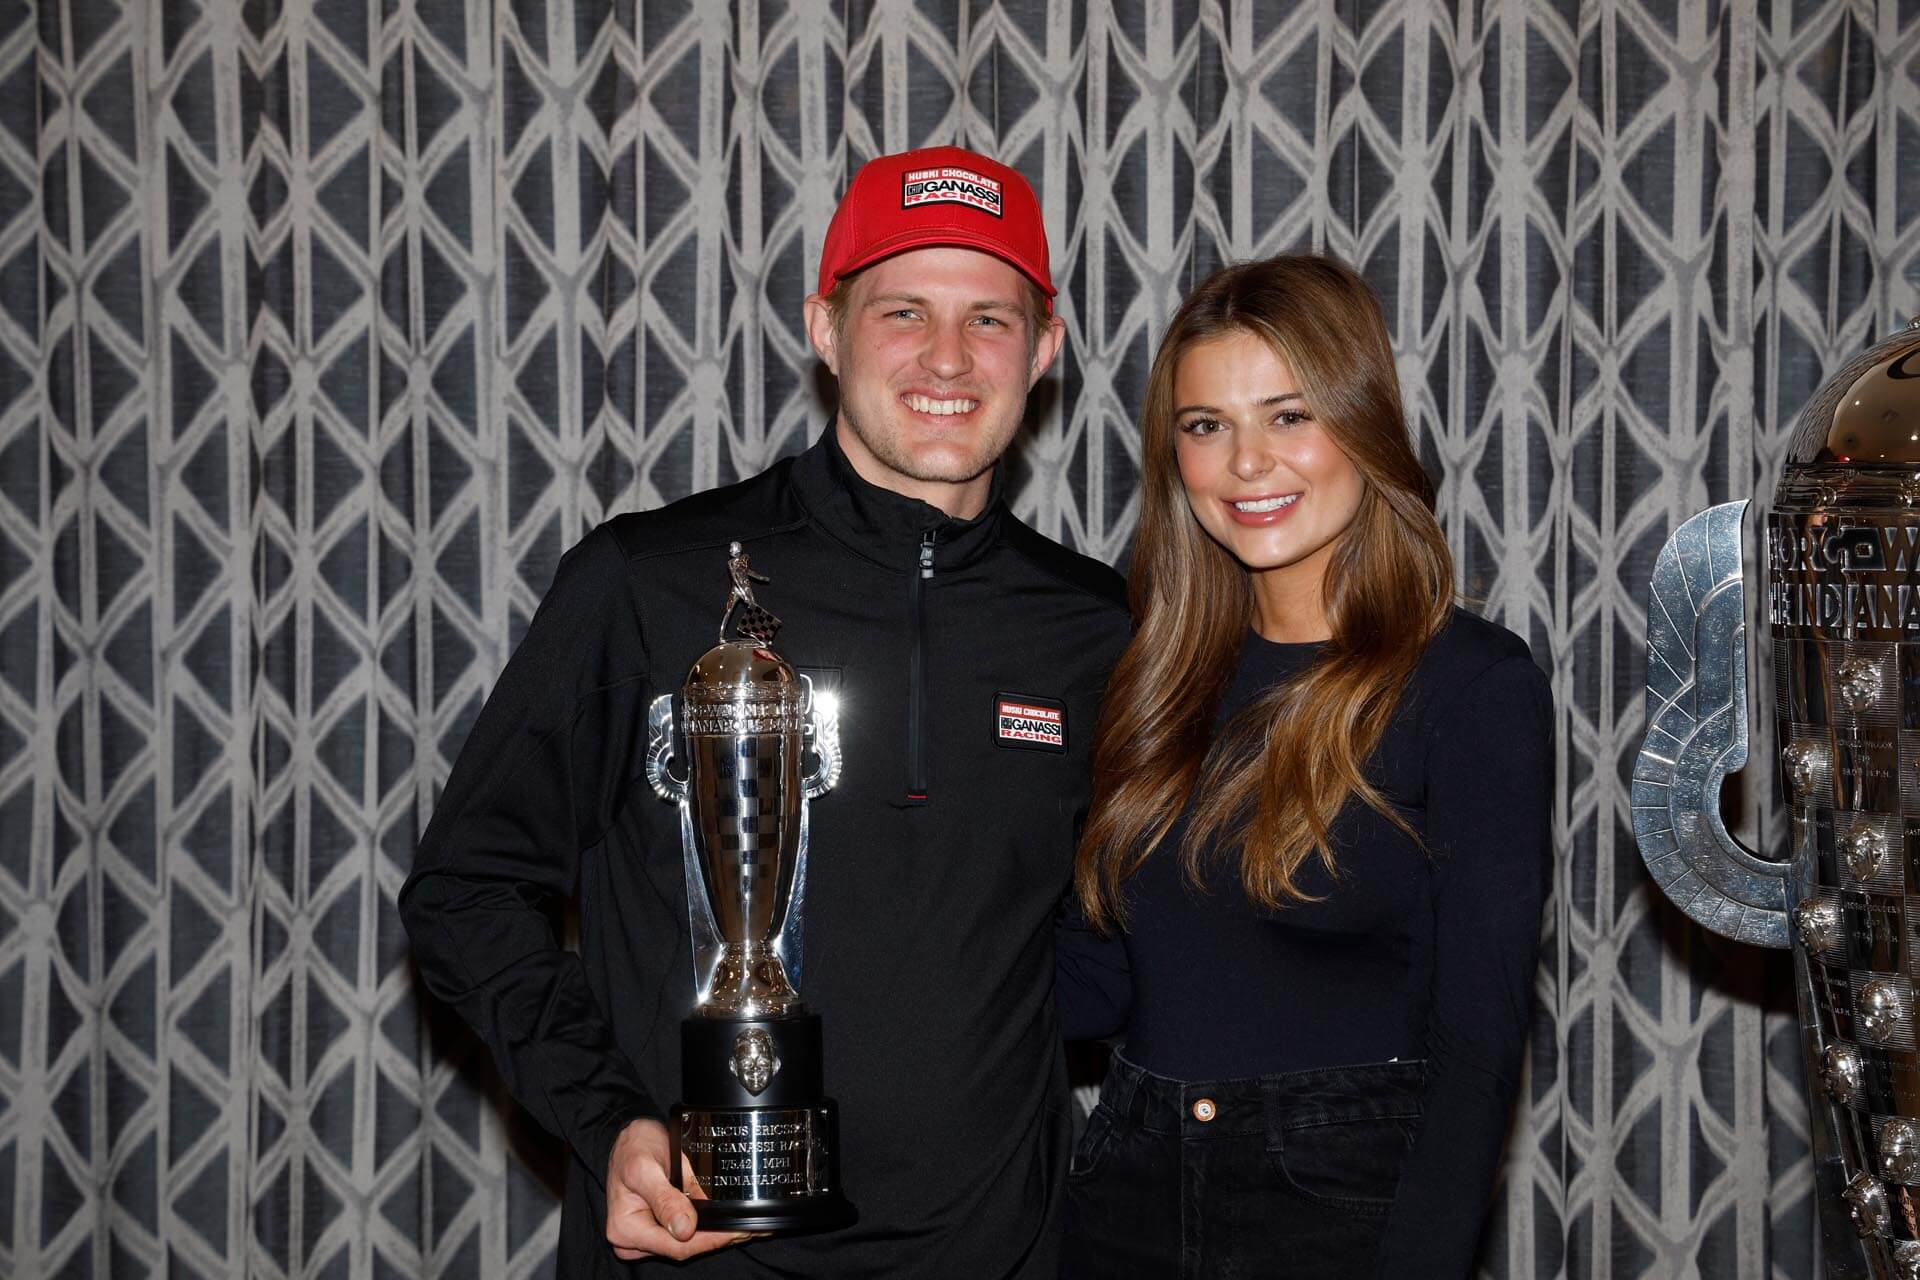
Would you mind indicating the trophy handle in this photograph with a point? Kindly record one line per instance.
(822, 738)
(1697, 735)
(660, 758)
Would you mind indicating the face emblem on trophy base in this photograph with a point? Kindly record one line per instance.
(742, 749)
(1839, 613)
(753, 1062)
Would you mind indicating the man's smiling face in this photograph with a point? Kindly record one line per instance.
(934, 354)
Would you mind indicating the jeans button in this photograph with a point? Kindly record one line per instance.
(1203, 1109)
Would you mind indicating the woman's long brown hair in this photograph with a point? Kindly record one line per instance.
(1282, 770)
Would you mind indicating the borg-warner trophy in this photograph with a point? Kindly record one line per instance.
(742, 748)
(1843, 617)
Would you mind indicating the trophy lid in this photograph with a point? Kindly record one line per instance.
(743, 686)
(729, 670)
(1867, 414)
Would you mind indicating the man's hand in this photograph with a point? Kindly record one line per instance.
(646, 1217)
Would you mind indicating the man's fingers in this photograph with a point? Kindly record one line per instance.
(636, 1235)
(647, 1216)
(671, 1209)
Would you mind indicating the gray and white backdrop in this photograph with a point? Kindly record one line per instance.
(325, 326)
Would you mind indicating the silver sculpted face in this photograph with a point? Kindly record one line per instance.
(1843, 1073)
(1867, 1203)
(1865, 850)
(1818, 920)
(1900, 1150)
(1798, 761)
(753, 1062)
(1858, 681)
(1840, 545)
(1877, 1010)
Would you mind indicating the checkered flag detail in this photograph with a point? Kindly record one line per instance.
(756, 623)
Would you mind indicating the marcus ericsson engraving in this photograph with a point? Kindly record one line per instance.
(753, 1154)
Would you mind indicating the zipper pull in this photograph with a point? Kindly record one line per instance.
(926, 555)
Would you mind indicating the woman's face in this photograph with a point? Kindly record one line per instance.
(1262, 476)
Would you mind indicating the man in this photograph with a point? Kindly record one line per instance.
(909, 589)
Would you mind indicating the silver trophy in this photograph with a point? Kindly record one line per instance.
(742, 749)
(1843, 615)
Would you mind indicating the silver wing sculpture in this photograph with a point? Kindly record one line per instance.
(1697, 735)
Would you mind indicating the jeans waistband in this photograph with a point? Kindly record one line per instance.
(1269, 1104)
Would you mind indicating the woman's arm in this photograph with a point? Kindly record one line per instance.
(1092, 981)
(1489, 792)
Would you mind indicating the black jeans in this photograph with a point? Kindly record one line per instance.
(1275, 1176)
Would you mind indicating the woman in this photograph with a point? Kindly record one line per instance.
(1309, 889)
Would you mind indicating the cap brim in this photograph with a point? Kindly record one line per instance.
(945, 237)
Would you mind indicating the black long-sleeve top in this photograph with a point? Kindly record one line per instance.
(933, 869)
(1407, 954)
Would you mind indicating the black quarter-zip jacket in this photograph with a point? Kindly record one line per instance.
(933, 871)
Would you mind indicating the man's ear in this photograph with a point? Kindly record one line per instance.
(1047, 348)
(821, 331)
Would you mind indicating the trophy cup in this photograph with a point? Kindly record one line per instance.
(1843, 614)
(742, 748)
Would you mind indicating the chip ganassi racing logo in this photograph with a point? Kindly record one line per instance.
(948, 185)
(1038, 724)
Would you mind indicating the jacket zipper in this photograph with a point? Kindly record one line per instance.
(917, 674)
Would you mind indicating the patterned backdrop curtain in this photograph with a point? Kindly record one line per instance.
(325, 327)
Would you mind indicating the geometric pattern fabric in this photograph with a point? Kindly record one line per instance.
(325, 328)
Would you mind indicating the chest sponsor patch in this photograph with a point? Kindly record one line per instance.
(949, 185)
(1029, 723)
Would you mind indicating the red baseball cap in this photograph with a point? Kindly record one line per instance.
(935, 196)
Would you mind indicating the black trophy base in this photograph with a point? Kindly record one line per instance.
(762, 1140)
(828, 1215)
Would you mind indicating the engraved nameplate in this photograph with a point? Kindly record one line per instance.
(771, 1154)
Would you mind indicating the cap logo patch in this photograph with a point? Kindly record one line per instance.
(949, 185)
(1029, 723)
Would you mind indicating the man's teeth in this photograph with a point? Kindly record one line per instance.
(921, 404)
(1267, 504)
